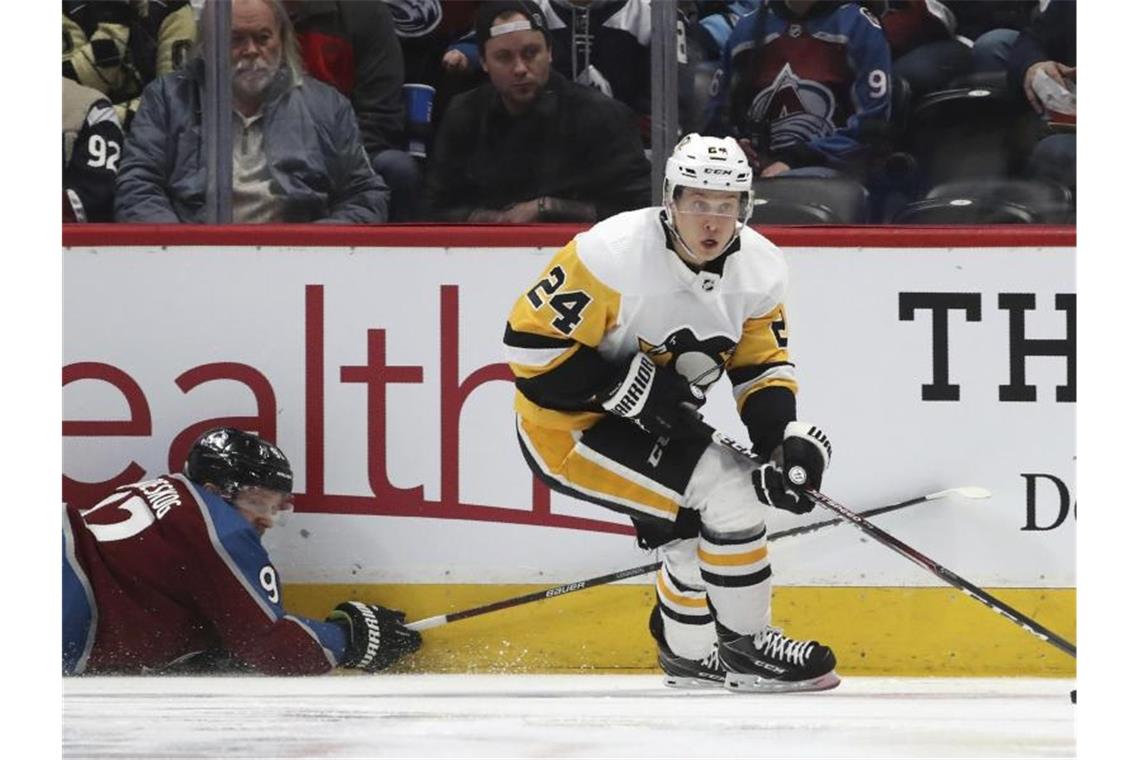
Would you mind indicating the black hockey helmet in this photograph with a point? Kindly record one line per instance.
(231, 459)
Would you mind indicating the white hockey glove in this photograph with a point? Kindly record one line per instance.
(657, 399)
(376, 635)
(802, 458)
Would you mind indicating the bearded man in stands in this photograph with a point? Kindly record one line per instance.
(297, 153)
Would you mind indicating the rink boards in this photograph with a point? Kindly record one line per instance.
(372, 356)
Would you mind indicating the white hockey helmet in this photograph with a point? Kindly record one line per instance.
(708, 163)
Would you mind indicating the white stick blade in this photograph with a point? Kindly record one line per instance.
(966, 492)
(426, 623)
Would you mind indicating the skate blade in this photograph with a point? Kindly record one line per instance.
(684, 682)
(745, 682)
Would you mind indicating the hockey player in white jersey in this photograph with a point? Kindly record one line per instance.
(612, 349)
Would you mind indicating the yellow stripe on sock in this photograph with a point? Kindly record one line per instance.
(675, 598)
(732, 560)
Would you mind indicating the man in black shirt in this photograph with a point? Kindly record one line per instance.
(530, 146)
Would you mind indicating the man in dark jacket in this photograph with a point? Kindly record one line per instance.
(531, 146)
(296, 145)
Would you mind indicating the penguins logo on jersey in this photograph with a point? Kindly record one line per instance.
(415, 18)
(700, 361)
(796, 110)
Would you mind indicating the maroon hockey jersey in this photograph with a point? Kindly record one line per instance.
(162, 570)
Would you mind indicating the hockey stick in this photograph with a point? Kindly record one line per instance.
(969, 492)
(798, 475)
(536, 596)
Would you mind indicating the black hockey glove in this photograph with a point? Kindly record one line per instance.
(376, 635)
(802, 457)
(773, 490)
(657, 399)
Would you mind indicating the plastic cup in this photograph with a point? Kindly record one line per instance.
(418, 100)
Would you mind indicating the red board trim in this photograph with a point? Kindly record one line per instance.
(539, 236)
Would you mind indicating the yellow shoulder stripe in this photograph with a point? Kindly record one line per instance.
(567, 301)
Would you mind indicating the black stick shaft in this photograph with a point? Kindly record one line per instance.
(894, 544)
(801, 530)
(538, 596)
(955, 580)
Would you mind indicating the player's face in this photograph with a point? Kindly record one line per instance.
(518, 64)
(255, 46)
(706, 221)
(260, 506)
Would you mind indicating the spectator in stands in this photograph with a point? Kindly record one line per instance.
(297, 155)
(1048, 48)
(715, 20)
(993, 26)
(353, 46)
(92, 147)
(800, 84)
(531, 146)
(119, 46)
(924, 50)
(604, 44)
(705, 26)
(438, 40)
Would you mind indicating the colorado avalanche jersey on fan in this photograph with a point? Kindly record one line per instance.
(806, 83)
(619, 288)
(164, 569)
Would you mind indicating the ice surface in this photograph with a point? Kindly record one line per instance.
(573, 716)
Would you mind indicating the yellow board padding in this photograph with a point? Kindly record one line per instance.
(874, 631)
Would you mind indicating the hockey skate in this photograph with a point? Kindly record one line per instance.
(683, 673)
(769, 661)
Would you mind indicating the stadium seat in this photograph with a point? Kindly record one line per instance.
(902, 98)
(1049, 202)
(993, 80)
(944, 211)
(969, 132)
(991, 201)
(808, 200)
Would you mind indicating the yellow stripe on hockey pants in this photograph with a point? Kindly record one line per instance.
(561, 457)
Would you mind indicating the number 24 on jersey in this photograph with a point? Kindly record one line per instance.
(568, 305)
